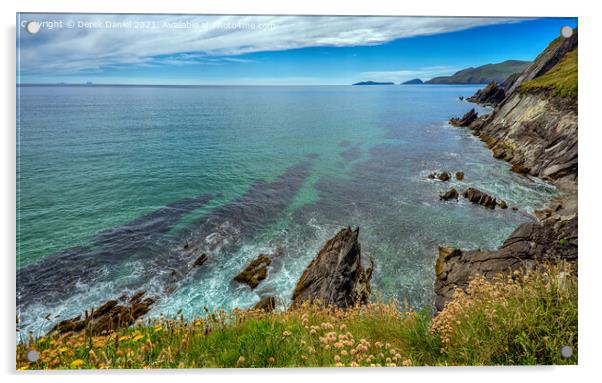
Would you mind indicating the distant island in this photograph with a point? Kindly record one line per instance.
(483, 74)
(373, 83)
(412, 82)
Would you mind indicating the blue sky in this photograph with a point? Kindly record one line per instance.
(269, 50)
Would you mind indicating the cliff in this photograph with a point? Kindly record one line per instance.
(534, 127)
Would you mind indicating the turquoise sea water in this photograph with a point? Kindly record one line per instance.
(120, 188)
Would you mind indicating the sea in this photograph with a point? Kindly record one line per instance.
(120, 188)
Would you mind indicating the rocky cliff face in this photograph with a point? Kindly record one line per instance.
(536, 131)
(339, 275)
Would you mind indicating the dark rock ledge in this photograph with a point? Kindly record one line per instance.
(111, 315)
(531, 243)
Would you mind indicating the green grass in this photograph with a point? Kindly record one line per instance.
(561, 80)
(525, 320)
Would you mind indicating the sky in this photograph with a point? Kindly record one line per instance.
(268, 50)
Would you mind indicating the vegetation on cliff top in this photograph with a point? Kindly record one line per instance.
(520, 320)
(561, 80)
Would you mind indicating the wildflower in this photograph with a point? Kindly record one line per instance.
(344, 352)
(77, 363)
(138, 337)
(271, 360)
(285, 334)
(312, 332)
(337, 358)
(343, 327)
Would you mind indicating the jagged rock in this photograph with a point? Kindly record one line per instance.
(254, 272)
(461, 98)
(502, 204)
(532, 242)
(492, 94)
(339, 275)
(459, 176)
(200, 260)
(108, 317)
(450, 194)
(466, 120)
(443, 176)
(480, 198)
(267, 304)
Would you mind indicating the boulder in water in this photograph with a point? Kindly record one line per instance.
(254, 272)
(339, 275)
(480, 198)
(450, 194)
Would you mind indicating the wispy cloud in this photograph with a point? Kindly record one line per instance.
(94, 42)
(408, 74)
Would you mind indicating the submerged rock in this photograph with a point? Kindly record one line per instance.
(254, 272)
(443, 176)
(480, 198)
(110, 316)
(339, 275)
(200, 260)
(459, 176)
(450, 194)
(466, 120)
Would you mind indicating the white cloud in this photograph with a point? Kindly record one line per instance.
(146, 40)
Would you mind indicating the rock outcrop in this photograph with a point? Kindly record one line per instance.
(466, 120)
(254, 272)
(492, 94)
(530, 244)
(110, 316)
(339, 275)
(460, 176)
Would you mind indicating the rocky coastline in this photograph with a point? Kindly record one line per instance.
(535, 130)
